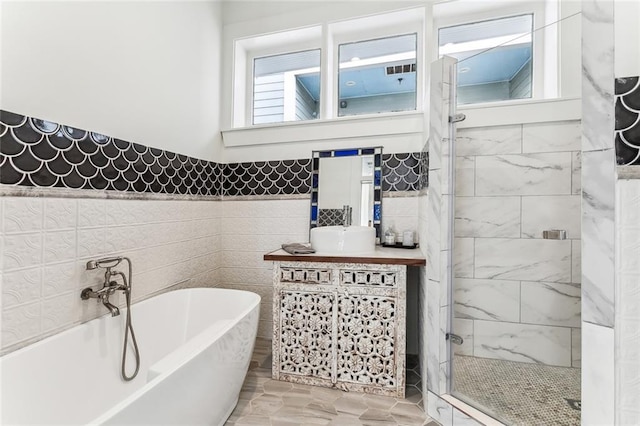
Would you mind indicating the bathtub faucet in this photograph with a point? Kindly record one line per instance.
(110, 285)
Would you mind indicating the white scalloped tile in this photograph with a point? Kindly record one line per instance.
(20, 323)
(20, 287)
(22, 251)
(23, 214)
(60, 213)
(59, 246)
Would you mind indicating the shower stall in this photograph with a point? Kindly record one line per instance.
(503, 276)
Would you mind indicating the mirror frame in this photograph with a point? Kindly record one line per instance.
(377, 181)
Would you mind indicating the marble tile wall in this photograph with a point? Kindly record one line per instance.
(598, 159)
(435, 357)
(45, 243)
(515, 182)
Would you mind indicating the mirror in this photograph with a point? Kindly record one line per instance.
(350, 178)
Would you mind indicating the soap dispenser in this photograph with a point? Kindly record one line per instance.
(389, 237)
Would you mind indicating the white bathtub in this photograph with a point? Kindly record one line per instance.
(195, 346)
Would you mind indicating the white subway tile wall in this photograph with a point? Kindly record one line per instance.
(45, 243)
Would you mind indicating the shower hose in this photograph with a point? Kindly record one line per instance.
(129, 328)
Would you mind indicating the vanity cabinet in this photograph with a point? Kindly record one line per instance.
(340, 325)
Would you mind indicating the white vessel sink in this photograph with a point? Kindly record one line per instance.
(340, 240)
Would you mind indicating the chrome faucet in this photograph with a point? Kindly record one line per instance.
(110, 285)
(346, 215)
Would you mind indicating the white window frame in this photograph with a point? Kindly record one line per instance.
(289, 81)
(545, 71)
(246, 50)
(327, 37)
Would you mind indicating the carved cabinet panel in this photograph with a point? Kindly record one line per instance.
(366, 347)
(306, 333)
(340, 325)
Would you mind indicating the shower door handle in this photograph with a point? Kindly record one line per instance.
(455, 339)
(457, 118)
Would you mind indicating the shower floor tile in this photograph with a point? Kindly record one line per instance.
(268, 402)
(519, 393)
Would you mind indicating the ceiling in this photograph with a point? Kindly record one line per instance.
(500, 64)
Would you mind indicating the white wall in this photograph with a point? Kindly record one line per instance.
(147, 72)
(627, 38)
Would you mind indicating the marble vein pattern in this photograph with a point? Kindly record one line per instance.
(440, 410)
(551, 137)
(529, 174)
(463, 328)
(487, 217)
(465, 176)
(495, 300)
(489, 140)
(550, 304)
(597, 75)
(551, 212)
(523, 259)
(598, 161)
(522, 342)
(598, 236)
(576, 173)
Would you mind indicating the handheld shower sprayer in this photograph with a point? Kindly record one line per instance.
(106, 262)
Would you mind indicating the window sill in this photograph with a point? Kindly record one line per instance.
(389, 124)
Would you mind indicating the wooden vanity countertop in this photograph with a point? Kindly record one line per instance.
(381, 256)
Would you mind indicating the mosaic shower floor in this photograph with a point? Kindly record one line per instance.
(268, 402)
(518, 393)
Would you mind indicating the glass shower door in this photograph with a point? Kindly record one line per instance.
(515, 290)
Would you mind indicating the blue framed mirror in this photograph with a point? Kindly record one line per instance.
(347, 184)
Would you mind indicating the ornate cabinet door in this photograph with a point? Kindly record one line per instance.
(306, 346)
(340, 324)
(367, 347)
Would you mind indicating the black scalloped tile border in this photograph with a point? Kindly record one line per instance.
(283, 177)
(627, 117)
(40, 153)
(330, 217)
(402, 172)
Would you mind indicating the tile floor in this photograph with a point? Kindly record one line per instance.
(519, 393)
(268, 402)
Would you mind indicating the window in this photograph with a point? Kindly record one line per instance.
(494, 58)
(286, 87)
(362, 65)
(377, 76)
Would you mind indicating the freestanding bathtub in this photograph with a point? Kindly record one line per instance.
(195, 346)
